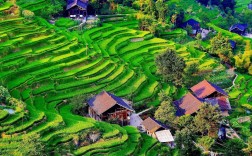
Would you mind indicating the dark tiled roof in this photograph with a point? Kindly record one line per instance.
(250, 6)
(188, 104)
(232, 43)
(241, 27)
(121, 102)
(104, 101)
(81, 3)
(152, 124)
(205, 88)
(221, 101)
(193, 23)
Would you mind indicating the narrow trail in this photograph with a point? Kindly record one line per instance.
(146, 110)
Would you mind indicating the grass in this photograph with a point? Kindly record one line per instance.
(6, 6)
(3, 114)
(65, 22)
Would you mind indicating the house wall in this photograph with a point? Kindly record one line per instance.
(238, 31)
(153, 135)
(115, 112)
(76, 11)
(93, 114)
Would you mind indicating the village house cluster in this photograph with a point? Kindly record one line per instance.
(108, 107)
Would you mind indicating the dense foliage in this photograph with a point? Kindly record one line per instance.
(171, 66)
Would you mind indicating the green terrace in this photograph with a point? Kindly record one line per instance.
(44, 67)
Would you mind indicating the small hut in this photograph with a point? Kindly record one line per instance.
(239, 28)
(77, 8)
(106, 106)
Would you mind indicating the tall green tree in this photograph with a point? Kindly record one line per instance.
(191, 76)
(79, 104)
(206, 142)
(150, 8)
(185, 121)
(96, 5)
(166, 112)
(30, 145)
(161, 9)
(184, 141)
(234, 147)
(207, 119)
(4, 94)
(248, 149)
(220, 46)
(171, 66)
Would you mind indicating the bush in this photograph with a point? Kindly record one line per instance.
(27, 14)
(4, 94)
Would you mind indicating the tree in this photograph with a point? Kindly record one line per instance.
(207, 119)
(248, 150)
(234, 147)
(95, 4)
(27, 14)
(30, 145)
(112, 4)
(79, 104)
(163, 96)
(185, 121)
(55, 7)
(20, 105)
(228, 4)
(145, 21)
(166, 112)
(245, 16)
(191, 74)
(184, 142)
(189, 29)
(198, 39)
(177, 18)
(221, 47)
(243, 61)
(161, 9)
(171, 66)
(150, 8)
(206, 142)
(4, 94)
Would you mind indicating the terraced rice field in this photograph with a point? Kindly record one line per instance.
(44, 68)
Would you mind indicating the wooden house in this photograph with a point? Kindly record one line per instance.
(166, 137)
(194, 24)
(108, 107)
(212, 94)
(158, 131)
(239, 28)
(203, 92)
(188, 105)
(151, 125)
(77, 8)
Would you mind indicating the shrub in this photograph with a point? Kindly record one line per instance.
(4, 94)
(27, 14)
